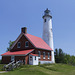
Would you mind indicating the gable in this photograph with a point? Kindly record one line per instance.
(38, 42)
(35, 42)
(22, 41)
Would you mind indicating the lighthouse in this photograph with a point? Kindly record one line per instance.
(47, 31)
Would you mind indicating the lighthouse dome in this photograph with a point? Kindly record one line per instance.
(47, 13)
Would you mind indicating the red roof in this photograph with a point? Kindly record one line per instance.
(38, 42)
(23, 52)
(34, 54)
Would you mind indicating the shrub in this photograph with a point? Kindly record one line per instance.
(0, 61)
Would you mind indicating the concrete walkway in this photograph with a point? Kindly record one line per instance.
(3, 71)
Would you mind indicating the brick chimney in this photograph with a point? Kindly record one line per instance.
(24, 30)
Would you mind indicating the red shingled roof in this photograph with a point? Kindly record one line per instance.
(38, 42)
(23, 52)
(34, 54)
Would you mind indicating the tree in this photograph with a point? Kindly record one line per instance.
(67, 57)
(56, 56)
(0, 61)
(10, 44)
(59, 56)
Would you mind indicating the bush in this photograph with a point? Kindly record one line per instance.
(0, 61)
(61, 57)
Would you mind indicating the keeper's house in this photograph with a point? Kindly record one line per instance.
(28, 48)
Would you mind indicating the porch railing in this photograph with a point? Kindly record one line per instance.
(12, 65)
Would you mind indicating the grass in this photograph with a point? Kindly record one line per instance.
(1, 66)
(45, 69)
(62, 69)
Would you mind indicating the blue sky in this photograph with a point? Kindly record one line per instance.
(15, 14)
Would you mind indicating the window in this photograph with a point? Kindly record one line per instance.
(39, 54)
(45, 20)
(35, 57)
(18, 45)
(26, 44)
(30, 58)
(51, 29)
(48, 55)
(43, 55)
(12, 58)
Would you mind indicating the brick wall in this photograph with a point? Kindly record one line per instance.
(6, 59)
(17, 58)
(22, 40)
(23, 58)
(46, 54)
(27, 59)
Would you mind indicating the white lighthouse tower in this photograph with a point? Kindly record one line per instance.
(47, 31)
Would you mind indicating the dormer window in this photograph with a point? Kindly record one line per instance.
(18, 45)
(26, 44)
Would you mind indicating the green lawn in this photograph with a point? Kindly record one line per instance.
(1, 66)
(46, 69)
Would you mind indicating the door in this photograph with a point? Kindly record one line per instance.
(30, 60)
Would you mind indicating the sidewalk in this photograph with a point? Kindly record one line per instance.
(3, 71)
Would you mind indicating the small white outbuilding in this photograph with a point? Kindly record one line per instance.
(33, 59)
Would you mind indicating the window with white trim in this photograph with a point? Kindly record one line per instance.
(18, 45)
(43, 55)
(39, 54)
(35, 57)
(26, 44)
(12, 58)
(48, 55)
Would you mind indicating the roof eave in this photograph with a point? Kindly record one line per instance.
(19, 54)
(44, 49)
